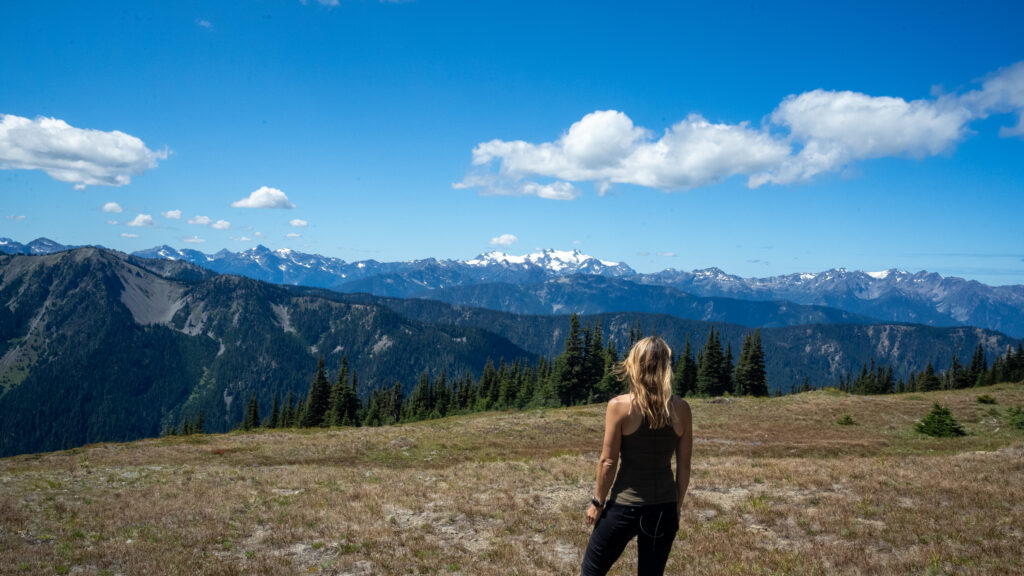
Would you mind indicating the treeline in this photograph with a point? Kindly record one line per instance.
(585, 372)
(878, 379)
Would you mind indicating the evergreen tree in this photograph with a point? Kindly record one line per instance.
(275, 413)
(336, 405)
(288, 412)
(318, 400)
(595, 360)
(710, 370)
(252, 414)
(684, 377)
(940, 423)
(568, 379)
(927, 380)
(979, 365)
(199, 424)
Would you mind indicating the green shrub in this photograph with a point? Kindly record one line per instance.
(940, 423)
(1016, 417)
(986, 399)
(846, 420)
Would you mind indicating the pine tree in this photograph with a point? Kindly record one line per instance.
(288, 412)
(336, 405)
(319, 398)
(252, 414)
(199, 424)
(979, 365)
(940, 423)
(275, 413)
(927, 380)
(568, 378)
(594, 361)
(684, 377)
(710, 371)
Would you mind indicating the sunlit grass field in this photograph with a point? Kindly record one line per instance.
(778, 487)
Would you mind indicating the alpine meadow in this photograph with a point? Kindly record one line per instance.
(401, 287)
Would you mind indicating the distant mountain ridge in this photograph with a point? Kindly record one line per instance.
(98, 345)
(891, 296)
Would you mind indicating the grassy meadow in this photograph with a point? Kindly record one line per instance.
(778, 487)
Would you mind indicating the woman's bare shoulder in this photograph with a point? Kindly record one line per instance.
(619, 405)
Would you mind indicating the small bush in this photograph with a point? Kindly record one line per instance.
(986, 399)
(846, 420)
(1015, 416)
(940, 423)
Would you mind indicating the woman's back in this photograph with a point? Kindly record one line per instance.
(645, 466)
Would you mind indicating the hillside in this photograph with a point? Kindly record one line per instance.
(99, 346)
(778, 487)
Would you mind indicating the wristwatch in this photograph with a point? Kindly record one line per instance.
(597, 503)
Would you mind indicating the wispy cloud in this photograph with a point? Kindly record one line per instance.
(128, 235)
(142, 221)
(193, 240)
(667, 254)
(264, 197)
(83, 157)
(112, 222)
(297, 223)
(112, 207)
(15, 217)
(203, 23)
(504, 240)
(807, 135)
(172, 214)
(293, 235)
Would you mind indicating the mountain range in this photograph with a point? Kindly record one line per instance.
(554, 282)
(98, 345)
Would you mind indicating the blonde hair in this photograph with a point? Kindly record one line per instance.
(649, 371)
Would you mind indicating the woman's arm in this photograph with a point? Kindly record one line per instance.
(609, 462)
(684, 450)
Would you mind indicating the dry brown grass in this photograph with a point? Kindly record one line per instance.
(778, 488)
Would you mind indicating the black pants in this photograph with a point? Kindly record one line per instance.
(655, 527)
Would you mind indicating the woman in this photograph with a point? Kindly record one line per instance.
(645, 426)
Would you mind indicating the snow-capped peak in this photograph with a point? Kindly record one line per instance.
(563, 261)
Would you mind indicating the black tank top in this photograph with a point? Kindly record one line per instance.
(645, 467)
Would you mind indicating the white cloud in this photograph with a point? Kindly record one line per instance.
(265, 197)
(128, 235)
(15, 217)
(807, 135)
(112, 207)
(142, 221)
(667, 254)
(172, 214)
(293, 235)
(1001, 93)
(112, 222)
(838, 128)
(242, 239)
(193, 240)
(298, 223)
(221, 225)
(504, 240)
(259, 235)
(79, 156)
(202, 23)
(200, 220)
(605, 148)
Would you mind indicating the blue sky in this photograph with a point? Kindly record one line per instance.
(762, 138)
